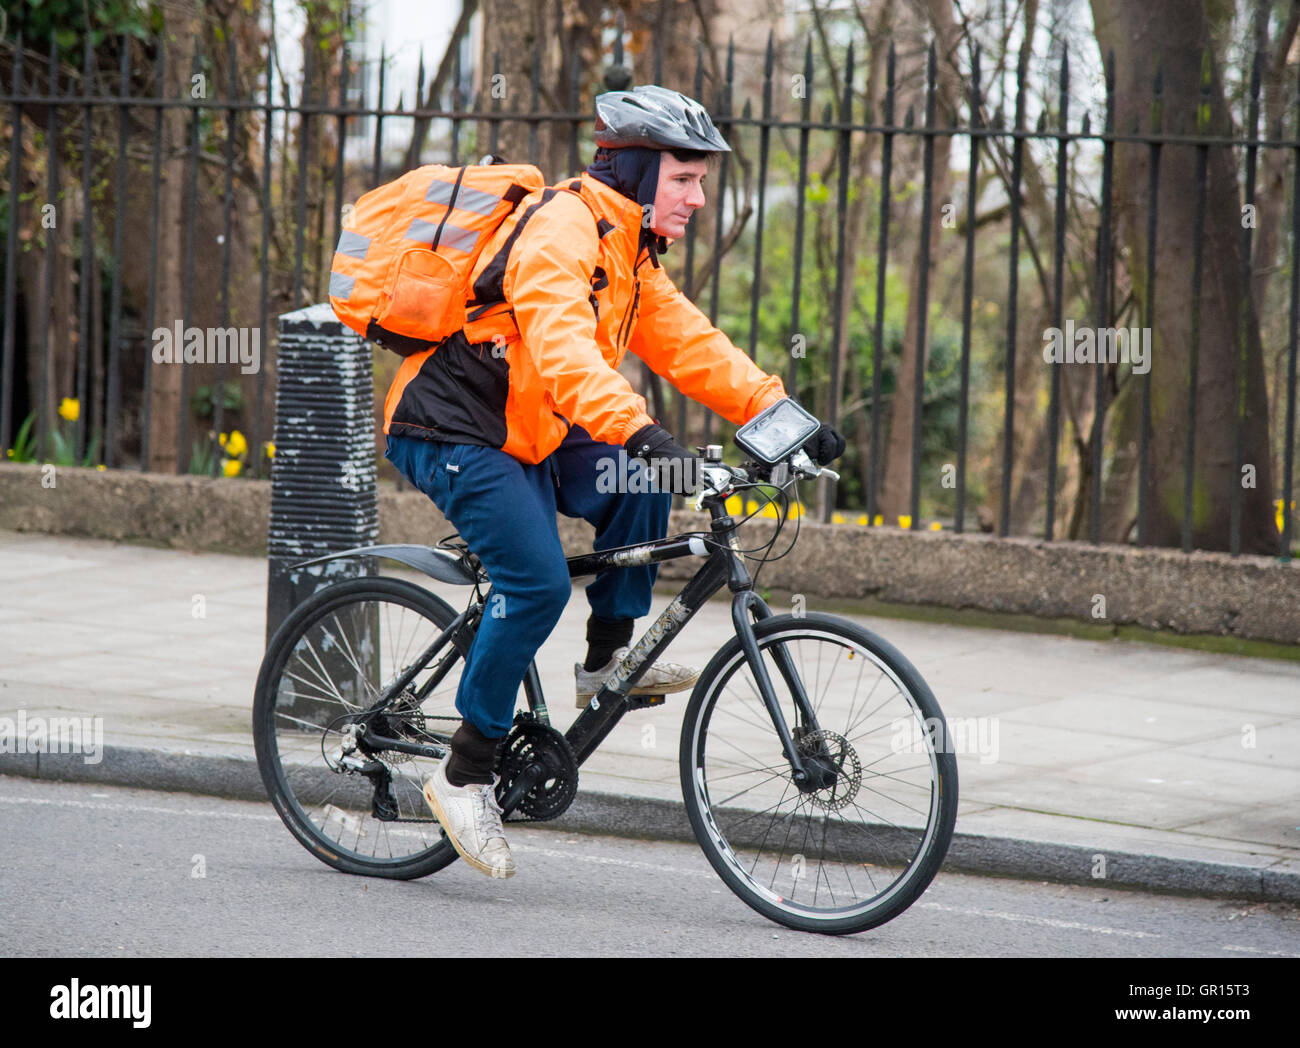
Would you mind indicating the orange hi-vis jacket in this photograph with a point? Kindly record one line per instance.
(560, 294)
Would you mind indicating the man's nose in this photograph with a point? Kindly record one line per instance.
(696, 196)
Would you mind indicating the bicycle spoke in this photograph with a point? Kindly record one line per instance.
(747, 789)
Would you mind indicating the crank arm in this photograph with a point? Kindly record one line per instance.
(528, 778)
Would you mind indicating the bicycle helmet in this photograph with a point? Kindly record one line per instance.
(656, 118)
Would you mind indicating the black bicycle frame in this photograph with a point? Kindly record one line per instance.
(724, 566)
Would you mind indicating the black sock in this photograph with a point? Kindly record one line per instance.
(473, 756)
(604, 637)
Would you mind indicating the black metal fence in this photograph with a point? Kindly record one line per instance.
(252, 168)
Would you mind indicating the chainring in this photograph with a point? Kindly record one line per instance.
(531, 741)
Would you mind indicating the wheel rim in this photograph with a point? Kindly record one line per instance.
(853, 846)
(342, 659)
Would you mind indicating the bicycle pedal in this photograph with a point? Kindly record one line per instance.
(641, 702)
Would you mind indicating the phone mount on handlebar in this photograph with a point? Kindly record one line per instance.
(777, 432)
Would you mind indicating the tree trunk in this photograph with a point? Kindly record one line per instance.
(1179, 31)
(895, 494)
(180, 24)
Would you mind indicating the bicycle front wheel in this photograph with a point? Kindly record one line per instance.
(863, 845)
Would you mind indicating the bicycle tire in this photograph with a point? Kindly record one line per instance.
(916, 851)
(297, 789)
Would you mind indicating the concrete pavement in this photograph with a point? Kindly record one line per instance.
(1178, 770)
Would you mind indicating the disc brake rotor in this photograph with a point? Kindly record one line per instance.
(835, 753)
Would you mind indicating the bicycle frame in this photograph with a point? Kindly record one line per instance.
(724, 566)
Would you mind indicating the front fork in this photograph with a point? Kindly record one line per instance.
(744, 604)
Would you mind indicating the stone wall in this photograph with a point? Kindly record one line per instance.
(1254, 598)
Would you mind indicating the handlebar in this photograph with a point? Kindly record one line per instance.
(719, 479)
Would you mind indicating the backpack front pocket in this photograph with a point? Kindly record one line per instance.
(423, 296)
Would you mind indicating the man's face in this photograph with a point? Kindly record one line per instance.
(680, 192)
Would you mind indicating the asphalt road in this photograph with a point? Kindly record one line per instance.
(95, 871)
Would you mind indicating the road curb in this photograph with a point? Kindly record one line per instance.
(621, 815)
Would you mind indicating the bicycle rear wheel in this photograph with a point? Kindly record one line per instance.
(860, 849)
(324, 669)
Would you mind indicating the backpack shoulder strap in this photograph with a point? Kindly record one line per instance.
(603, 225)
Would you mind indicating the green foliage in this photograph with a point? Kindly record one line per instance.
(24, 448)
(203, 401)
(202, 455)
(64, 22)
(60, 446)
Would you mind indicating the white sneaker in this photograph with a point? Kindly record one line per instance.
(659, 679)
(471, 818)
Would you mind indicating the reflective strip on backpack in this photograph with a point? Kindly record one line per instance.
(354, 245)
(341, 286)
(452, 236)
(467, 199)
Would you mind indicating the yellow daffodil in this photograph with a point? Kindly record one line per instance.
(935, 526)
(269, 447)
(905, 521)
(101, 467)
(878, 520)
(70, 409)
(862, 519)
(237, 444)
(231, 467)
(837, 518)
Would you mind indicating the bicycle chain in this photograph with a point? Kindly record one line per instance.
(531, 741)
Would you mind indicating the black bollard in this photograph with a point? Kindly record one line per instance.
(323, 474)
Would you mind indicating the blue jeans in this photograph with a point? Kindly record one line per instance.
(505, 511)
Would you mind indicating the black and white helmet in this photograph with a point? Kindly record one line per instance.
(657, 118)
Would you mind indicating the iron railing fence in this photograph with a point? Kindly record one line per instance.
(261, 149)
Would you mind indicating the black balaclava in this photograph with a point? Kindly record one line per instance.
(634, 172)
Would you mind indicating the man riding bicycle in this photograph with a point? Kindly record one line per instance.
(511, 419)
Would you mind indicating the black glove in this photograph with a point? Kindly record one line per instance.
(826, 445)
(678, 471)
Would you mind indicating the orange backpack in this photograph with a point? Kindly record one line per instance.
(400, 275)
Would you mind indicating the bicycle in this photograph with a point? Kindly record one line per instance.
(856, 779)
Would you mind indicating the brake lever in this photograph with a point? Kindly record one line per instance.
(715, 475)
(803, 465)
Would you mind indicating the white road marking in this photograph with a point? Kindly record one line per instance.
(1256, 949)
(1049, 922)
(150, 809)
(601, 860)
